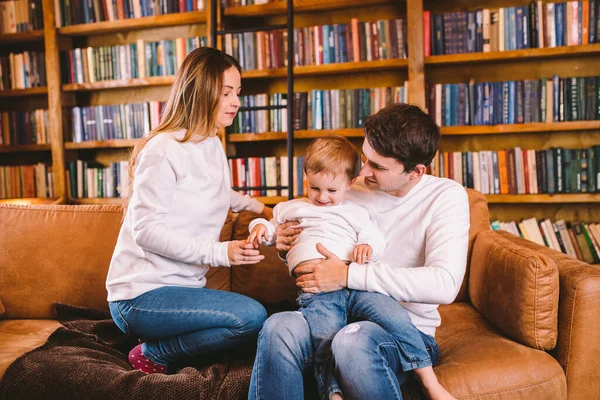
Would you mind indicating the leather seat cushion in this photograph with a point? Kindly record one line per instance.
(18, 336)
(479, 362)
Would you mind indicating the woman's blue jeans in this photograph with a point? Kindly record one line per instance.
(369, 362)
(180, 322)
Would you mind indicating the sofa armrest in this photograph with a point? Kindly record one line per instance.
(578, 342)
(516, 289)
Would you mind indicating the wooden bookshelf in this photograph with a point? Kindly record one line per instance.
(102, 144)
(298, 134)
(544, 198)
(119, 84)
(24, 147)
(21, 37)
(521, 128)
(280, 8)
(31, 201)
(23, 92)
(515, 55)
(104, 27)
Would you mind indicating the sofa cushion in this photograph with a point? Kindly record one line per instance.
(478, 362)
(269, 281)
(479, 218)
(516, 289)
(17, 337)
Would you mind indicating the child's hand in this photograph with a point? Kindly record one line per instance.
(362, 253)
(259, 232)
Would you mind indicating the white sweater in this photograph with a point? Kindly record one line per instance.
(339, 228)
(170, 235)
(427, 234)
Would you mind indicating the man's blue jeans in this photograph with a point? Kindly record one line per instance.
(180, 322)
(369, 361)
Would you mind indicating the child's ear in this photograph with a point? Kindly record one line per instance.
(352, 181)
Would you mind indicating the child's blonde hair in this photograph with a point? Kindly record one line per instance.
(332, 155)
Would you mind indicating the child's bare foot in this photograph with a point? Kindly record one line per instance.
(336, 396)
(435, 391)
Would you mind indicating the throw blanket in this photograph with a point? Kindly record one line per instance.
(87, 359)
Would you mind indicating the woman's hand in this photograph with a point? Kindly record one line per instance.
(240, 252)
(285, 236)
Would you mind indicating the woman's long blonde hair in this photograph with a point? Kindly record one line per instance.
(194, 99)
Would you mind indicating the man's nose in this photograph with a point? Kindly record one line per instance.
(365, 171)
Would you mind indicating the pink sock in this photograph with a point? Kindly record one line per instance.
(139, 361)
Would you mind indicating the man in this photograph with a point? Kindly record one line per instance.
(425, 220)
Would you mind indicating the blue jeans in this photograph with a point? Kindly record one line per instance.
(368, 360)
(180, 322)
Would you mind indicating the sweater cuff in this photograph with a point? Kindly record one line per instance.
(220, 256)
(357, 276)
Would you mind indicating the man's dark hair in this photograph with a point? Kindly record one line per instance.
(404, 132)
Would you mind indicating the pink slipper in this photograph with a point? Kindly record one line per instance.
(139, 361)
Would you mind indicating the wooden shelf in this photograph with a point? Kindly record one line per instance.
(102, 144)
(30, 200)
(271, 200)
(544, 198)
(518, 128)
(24, 92)
(280, 8)
(514, 55)
(328, 69)
(99, 28)
(22, 37)
(299, 134)
(24, 147)
(121, 83)
(101, 201)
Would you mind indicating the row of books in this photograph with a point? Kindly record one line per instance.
(22, 70)
(118, 121)
(522, 171)
(515, 102)
(75, 12)
(578, 240)
(90, 179)
(21, 16)
(24, 127)
(135, 60)
(536, 25)
(318, 45)
(267, 171)
(317, 109)
(26, 181)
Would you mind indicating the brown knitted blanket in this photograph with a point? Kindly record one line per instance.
(87, 359)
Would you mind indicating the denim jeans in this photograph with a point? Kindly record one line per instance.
(370, 358)
(179, 322)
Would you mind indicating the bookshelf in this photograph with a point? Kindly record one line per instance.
(417, 70)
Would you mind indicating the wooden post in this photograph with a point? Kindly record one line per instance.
(54, 99)
(416, 59)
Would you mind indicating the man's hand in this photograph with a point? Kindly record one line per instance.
(324, 276)
(362, 253)
(285, 236)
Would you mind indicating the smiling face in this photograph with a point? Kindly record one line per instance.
(386, 173)
(326, 190)
(230, 101)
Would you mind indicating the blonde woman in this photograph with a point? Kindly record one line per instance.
(170, 235)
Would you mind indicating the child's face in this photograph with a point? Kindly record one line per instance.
(325, 190)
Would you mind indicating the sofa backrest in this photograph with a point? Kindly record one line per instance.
(62, 253)
(270, 282)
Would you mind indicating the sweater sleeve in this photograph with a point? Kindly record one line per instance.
(156, 177)
(370, 234)
(240, 202)
(439, 280)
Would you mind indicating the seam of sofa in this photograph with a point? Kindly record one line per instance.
(76, 210)
(479, 396)
(537, 268)
(570, 326)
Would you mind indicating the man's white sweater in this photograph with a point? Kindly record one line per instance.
(427, 234)
(170, 235)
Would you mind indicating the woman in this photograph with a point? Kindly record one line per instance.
(170, 235)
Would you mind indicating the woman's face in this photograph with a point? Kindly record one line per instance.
(230, 101)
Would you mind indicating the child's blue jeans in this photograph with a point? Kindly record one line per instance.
(328, 313)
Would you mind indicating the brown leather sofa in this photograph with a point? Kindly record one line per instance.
(526, 324)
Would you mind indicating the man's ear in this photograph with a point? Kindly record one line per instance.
(418, 171)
